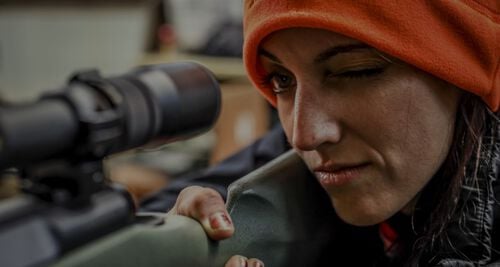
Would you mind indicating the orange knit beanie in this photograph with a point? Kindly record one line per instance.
(455, 40)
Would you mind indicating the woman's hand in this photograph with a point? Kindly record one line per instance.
(207, 206)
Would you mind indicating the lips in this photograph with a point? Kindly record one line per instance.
(339, 175)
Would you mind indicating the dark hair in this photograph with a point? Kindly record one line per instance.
(444, 200)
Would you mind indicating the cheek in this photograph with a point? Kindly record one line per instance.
(416, 138)
(408, 141)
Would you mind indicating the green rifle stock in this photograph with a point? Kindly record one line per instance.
(281, 216)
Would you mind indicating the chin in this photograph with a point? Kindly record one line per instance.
(360, 217)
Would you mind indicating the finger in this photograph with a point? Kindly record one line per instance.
(254, 263)
(236, 261)
(206, 206)
(241, 261)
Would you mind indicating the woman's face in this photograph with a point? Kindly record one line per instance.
(373, 130)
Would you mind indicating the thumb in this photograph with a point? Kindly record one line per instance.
(207, 207)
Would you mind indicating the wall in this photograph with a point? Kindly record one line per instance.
(40, 46)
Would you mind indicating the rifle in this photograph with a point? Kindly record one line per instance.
(273, 209)
(58, 142)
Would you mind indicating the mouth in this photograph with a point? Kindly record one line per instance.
(336, 176)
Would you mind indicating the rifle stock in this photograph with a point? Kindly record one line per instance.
(280, 213)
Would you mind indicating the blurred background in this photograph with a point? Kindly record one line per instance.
(42, 42)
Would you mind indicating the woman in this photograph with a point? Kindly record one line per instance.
(393, 107)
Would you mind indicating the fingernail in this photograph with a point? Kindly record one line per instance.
(243, 262)
(220, 221)
(259, 264)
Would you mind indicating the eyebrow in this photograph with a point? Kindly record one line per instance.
(269, 55)
(325, 55)
(333, 51)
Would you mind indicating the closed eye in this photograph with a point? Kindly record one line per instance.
(359, 74)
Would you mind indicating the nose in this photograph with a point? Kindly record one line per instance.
(314, 121)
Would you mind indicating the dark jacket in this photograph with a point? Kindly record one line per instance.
(221, 175)
(476, 241)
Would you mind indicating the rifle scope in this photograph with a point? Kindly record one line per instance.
(93, 116)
